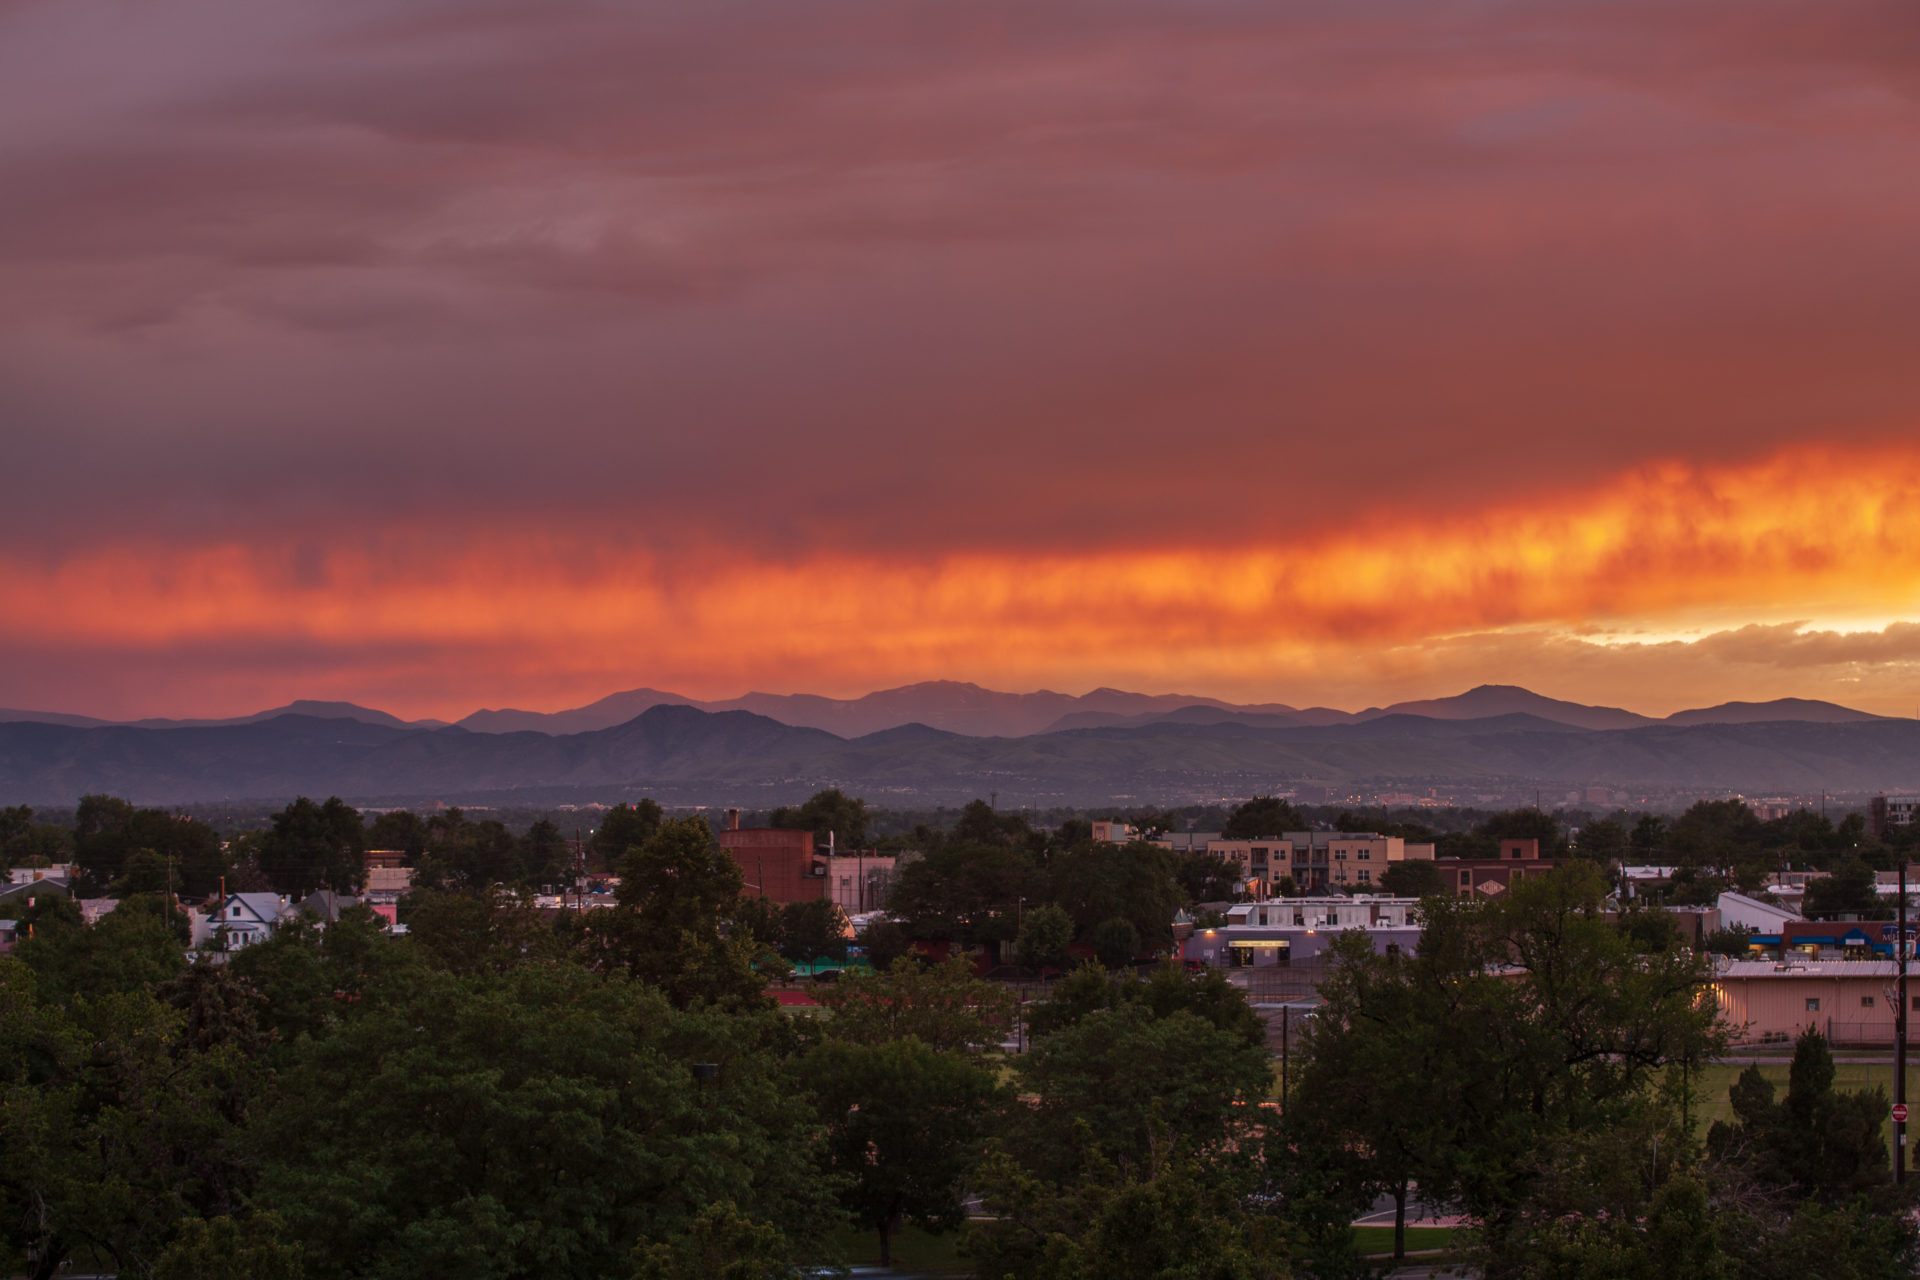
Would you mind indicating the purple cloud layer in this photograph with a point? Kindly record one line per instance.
(942, 274)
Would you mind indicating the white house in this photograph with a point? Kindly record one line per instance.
(242, 919)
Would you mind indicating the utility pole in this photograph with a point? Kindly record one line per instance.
(1900, 1043)
(1285, 1014)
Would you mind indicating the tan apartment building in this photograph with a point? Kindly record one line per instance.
(1316, 861)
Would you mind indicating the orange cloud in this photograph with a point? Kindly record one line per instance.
(1390, 598)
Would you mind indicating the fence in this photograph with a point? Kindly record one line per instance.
(1269, 984)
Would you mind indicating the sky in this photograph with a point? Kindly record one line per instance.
(499, 353)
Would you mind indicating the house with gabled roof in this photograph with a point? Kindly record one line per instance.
(240, 920)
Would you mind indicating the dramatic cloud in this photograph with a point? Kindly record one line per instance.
(512, 352)
(1556, 588)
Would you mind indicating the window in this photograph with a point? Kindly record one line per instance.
(1813, 1004)
(1916, 1004)
(1365, 875)
(236, 913)
(1866, 1002)
(1364, 854)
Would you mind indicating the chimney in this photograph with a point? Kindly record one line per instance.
(733, 819)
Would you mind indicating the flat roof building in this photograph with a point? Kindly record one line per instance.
(1851, 1002)
(1287, 931)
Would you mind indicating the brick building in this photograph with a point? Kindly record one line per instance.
(774, 862)
(1489, 877)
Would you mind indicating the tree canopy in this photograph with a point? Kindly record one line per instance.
(829, 812)
(668, 929)
(1263, 816)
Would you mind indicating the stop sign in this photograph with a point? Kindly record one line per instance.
(1899, 1113)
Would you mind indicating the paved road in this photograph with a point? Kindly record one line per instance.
(1780, 1060)
(1419, 1214)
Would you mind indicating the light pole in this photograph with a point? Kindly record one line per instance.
(1900, 1043)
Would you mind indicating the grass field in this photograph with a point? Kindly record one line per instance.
(1378, 1241)
(912, 1250)
(1714, 1081)
(918, 1251)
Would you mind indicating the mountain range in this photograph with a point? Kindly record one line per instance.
(976, 712)
(1490, 738)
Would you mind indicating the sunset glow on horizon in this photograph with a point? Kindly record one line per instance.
(434, 358)
(1666, 586)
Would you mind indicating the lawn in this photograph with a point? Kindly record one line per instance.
(912, 1250)
(1378, 1241)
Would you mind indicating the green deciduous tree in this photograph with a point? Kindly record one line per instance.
(943, 1006)
(1206, 877)
(1094, 1096)
(885, 942)
(313, 846)
(1169, 989)
(1133, 882)
(832, 812)
(1109, 1169)
(1849, 890)
(15, 822)
(401, 830)
(541, 1122)
(116, 1125)
(485, 930)
(722, 1243)
(1262, 816)
(465, 855)
(965, 892)
(1413, 878)
(980, 824)
(312, 980)
(1176, 1220)
(905, 1124)
(676, 890)
(1045, 934)
(1528, 1022)
(1603, 841)
(1115, 941)
(813, 929)
(110, 833)
(126, 951)
(226, 1248)
(545, 855)
(624, 828)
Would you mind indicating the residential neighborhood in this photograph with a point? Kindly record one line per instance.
(1034, 938)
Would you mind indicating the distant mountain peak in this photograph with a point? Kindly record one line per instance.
(1801, 709)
